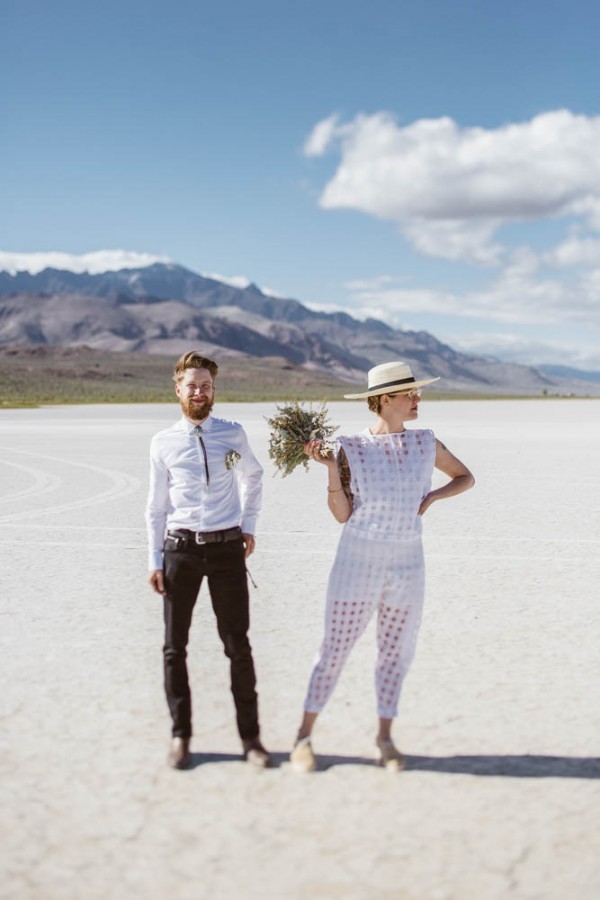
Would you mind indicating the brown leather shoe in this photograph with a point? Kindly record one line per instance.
(179, 753)
(255, 753)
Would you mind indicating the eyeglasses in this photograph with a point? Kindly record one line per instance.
(204, 388)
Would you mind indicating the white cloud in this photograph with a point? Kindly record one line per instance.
(522, 262)
(514, 296)
(241, 282)
(94, 263)
(449, 188)
(335, 308)
(455, 240)
(590, 282)
(574, 251)
(237, 281)
(370, 284)
(321, 136)
(276, 295)
(103, 261)
(529, 351)
(388, 304)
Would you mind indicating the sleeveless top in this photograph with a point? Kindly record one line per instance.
(390, 475)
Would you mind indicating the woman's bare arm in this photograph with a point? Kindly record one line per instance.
(338, 500)
(461, 478)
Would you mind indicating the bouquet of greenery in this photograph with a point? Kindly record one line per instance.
(292, 427)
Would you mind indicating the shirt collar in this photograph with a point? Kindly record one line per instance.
(189, 426)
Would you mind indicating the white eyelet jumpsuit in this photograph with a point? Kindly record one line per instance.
(379, 563)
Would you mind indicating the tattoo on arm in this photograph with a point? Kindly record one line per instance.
(345, 474)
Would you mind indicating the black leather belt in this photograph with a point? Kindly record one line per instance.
(206, 537)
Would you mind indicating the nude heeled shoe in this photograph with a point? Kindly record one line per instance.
(389, 755)
(302, 757)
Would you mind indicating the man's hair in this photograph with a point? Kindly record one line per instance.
(193, 359)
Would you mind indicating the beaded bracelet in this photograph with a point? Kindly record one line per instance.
(334, 490)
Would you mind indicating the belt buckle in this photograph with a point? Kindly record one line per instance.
(198, 538)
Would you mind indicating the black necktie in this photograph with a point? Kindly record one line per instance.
(198, 433)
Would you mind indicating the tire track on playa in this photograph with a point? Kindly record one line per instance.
(136, 542)
(44, 483)
(121, 486)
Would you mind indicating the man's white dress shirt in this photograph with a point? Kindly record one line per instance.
(180, 496)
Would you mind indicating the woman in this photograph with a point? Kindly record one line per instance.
(379, 487)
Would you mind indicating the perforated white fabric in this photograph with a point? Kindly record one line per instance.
(378, 565)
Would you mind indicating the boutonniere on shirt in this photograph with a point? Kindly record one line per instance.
(231, 457)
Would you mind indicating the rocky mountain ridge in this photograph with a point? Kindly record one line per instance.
(166, 308)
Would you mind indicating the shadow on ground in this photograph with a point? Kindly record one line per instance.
(521, 766)
(524, 766)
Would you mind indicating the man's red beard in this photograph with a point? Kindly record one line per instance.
(196, 409)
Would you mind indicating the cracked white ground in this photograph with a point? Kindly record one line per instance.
(499, 716)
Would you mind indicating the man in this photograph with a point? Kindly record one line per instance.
(203, 502)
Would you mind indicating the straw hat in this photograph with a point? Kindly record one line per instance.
(390, 378)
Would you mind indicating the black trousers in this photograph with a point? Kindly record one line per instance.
(224, 566)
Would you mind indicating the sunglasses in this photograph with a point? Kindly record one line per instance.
(414, 394)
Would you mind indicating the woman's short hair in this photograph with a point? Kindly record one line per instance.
(375, 403)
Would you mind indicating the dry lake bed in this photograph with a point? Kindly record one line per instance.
(499, 716)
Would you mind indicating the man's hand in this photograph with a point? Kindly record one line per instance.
(157, 581)
(249, 544)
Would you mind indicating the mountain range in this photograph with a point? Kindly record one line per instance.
(165, 308)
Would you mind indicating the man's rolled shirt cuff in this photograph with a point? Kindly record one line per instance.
(156, 560)
(249, 524)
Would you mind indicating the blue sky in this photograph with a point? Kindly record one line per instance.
(435, 164)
